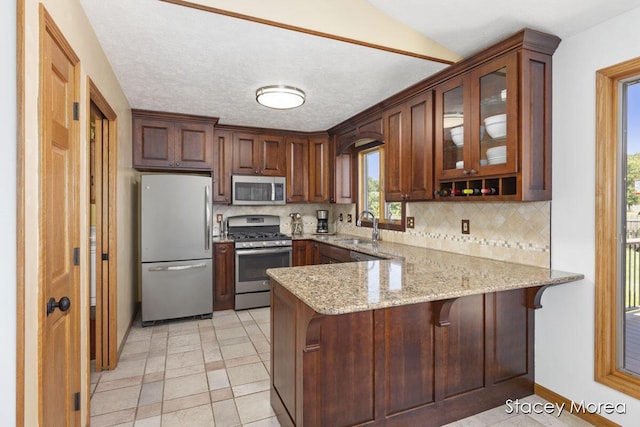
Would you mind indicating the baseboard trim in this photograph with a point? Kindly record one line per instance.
(553, 397)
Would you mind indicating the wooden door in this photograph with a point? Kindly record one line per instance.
(297, 170)
(103, 166)
(59, 234)
(193, 145)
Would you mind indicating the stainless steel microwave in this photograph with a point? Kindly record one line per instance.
(258, 190)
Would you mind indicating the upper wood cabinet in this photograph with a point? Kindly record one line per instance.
(297, 169)
(408, 142)
(172, 141)
(345, 182)
(319, 169)
(222, 155)
(255, 154)
(493, 123)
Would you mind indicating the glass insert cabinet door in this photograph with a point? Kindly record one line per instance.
(477, 121)
(454, 134)
(495, 120)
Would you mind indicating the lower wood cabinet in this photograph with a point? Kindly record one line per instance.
(301, 253)
(223, 276)
(322, 253)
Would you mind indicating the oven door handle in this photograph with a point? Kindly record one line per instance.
(240, 252)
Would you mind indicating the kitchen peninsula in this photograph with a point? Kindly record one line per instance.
(422, 338)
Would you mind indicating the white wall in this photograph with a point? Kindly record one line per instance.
(565, 324)
(8, 211)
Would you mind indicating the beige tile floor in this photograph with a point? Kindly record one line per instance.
(215, 372)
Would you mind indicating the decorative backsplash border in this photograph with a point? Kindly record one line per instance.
(517, 232)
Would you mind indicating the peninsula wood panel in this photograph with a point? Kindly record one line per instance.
(424, 364)
(284, 348)
(408, 350)
(510, 349)
(462, 355)
(347, 390)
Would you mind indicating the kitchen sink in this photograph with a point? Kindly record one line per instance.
(354, 241)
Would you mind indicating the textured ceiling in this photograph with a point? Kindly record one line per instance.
(178, 59)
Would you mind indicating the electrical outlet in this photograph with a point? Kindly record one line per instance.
(466, 228)
(219, 218)
(411, 222)
(349, 218)
(340, 218)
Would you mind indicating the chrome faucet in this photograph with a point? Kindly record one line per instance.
(375, 233)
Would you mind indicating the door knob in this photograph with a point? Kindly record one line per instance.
(63, 305)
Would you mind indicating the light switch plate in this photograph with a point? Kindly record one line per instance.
(349, 218)
(219, 218)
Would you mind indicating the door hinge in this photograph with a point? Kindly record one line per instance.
(76, 401)
(76, 111)
(76, 256)
(105, 257)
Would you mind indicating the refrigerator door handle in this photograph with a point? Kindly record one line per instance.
(273, 191)
(178, 267)
(207, 219)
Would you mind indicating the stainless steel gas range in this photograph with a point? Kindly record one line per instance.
(259, 245)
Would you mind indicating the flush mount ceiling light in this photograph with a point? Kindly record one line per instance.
(280, 97)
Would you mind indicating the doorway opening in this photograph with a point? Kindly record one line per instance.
(102, 129)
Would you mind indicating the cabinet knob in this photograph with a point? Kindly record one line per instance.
(170, 164)
(262, 172)
(177, 163)
(256, 172)
(473, 171)
(465, 172)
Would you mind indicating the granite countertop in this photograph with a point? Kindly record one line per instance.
(409, 275)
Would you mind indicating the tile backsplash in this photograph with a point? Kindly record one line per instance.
(510, 231)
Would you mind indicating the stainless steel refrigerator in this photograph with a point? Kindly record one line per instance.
(175, 246)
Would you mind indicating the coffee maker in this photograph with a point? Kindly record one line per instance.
(323, 221)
